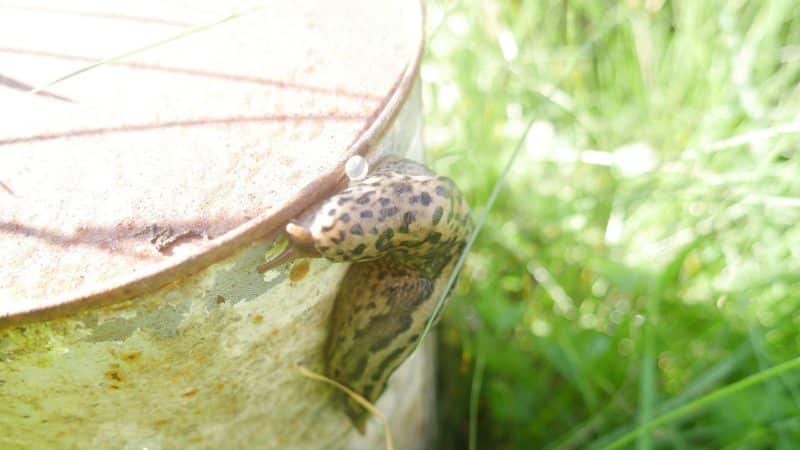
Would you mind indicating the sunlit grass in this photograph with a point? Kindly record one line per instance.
(644, 252)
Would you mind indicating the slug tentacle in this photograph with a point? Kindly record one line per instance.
(402, 228)
(300, 245)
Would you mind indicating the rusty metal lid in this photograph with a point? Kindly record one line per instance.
(218, 129)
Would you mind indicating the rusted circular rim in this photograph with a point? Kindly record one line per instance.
(261, 227)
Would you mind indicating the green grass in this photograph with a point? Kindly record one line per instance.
(640, 271)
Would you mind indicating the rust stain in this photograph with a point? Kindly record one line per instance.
(164, 238)
(218, 387)
(190, 393)
(220, 299)
(115, 375)
(258, 318)
(130, 356)
(299, 271)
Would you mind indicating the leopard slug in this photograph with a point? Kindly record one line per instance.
(402, 228)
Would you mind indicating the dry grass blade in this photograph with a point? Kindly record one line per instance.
(113, 59)
(355, 396)
(474, 398)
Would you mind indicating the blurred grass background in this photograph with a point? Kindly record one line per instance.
(644, 252)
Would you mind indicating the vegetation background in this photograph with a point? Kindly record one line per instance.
(642, 257)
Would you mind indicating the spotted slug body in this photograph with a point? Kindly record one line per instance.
(402, 228)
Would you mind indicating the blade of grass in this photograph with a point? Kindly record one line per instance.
(474, 397)
(648, 389)
(706, 400)
(647, 384)
(442, 20)
(152, 45)
(750, 137)
(772, 388)
(709, 378)
(578, 435)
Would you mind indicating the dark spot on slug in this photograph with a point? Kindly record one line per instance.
(384, 201)
(442, 191)
(345, 218)
(411, 244)
(364, 199)
(343, 200)
(332, 212)
(400, 188)
(413, 199)
(425, 291)
(434, 237)
(358, 369)
(383, 241)
(425, 199)
(325, 229)
(359, 249)
(437, 215)
(389, 326)
(408, 219)
(367, 214)
(357, 230)
(389, 360)
(368, 390)
(389, 212)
